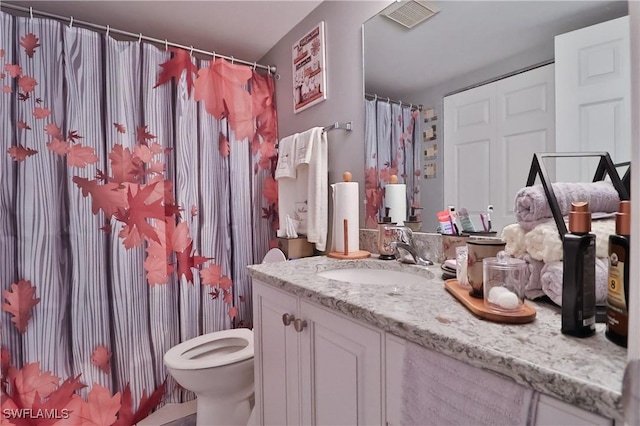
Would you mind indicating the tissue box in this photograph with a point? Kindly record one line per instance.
(295, 248)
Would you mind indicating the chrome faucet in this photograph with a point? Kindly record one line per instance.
(405, 245)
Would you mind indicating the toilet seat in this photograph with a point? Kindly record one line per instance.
(207, 351)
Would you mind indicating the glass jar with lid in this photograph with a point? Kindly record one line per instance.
(504, 280)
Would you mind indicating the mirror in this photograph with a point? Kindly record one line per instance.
(464, 45)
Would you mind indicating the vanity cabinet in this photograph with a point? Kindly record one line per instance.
(314, 366)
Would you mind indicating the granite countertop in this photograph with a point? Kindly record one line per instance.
(583, 372)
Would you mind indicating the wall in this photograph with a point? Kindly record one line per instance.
(345, 84)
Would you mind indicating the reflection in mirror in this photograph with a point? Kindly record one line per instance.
(473, 44)
(392, 159)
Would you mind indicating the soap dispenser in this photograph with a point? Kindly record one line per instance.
(386, 236)
(413, 223)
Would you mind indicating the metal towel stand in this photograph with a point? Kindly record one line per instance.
(605, 166)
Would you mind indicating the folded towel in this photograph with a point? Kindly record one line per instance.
(531, 202)
(514, 235)
(286, 167)
(543, 242)
(438, 390)
(533, 287)
(551, 279)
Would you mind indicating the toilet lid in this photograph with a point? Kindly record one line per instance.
(274, 255)
(211, 350)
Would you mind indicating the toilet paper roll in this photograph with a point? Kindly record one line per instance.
(346, 206)
(395, 197)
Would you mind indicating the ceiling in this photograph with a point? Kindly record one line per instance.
(468, 35)
(245, 29)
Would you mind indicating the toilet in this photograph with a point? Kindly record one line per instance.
(218, 368)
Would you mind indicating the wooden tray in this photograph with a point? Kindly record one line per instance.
(476, 306)
(360, 254)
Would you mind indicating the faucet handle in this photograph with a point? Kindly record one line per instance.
(406, 235)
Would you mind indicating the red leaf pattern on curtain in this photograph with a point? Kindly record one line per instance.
(101, 358)
(20, 153)
(58, 146)
(174, 67)
(13, 70)
(27, 84)
(30, 43)
(20, 300)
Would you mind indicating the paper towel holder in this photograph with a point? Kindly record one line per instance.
(359, 254)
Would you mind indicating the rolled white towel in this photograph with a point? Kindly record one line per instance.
(514, 235)
(543, 242)
(551, 279)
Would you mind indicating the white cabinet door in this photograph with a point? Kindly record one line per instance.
(593, 96)
(394, 363)
(490, 135)
(552, 412)
(277, 363)
(341, 370)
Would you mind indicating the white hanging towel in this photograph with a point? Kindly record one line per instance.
(311, 160)
(289, 189)
(286, 166)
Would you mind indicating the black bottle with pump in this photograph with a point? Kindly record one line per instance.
(618, 284)
(579, 274)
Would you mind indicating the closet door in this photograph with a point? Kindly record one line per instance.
(490, 135)
(526, 125)
(469, 133)
(593, 90)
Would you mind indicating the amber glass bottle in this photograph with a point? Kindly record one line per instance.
(618, 288)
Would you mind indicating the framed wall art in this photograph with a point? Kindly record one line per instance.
(309, 69)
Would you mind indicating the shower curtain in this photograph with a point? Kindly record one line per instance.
(136, 185)
(392, 147)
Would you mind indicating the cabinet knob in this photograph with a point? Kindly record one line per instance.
(287, 319)
(299, 325)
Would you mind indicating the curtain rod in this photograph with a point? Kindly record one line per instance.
(391, 101)
(30, 11)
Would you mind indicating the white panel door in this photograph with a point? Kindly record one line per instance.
(277, 365)
(341, 370)
(469, 129)
(490, 135)
(593, 89)
(525, 106)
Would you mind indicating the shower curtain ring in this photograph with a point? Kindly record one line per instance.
(232, 60)
(388, 100)
(166, 45)
(254, 65)
(71, 22)
(191, 51)
(107, 33)
(31, 12)
(214, 55)
(375, 97)
(140, 38)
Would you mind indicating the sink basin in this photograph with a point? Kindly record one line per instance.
(372, 276)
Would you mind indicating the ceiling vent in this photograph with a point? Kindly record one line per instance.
(410, 13)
